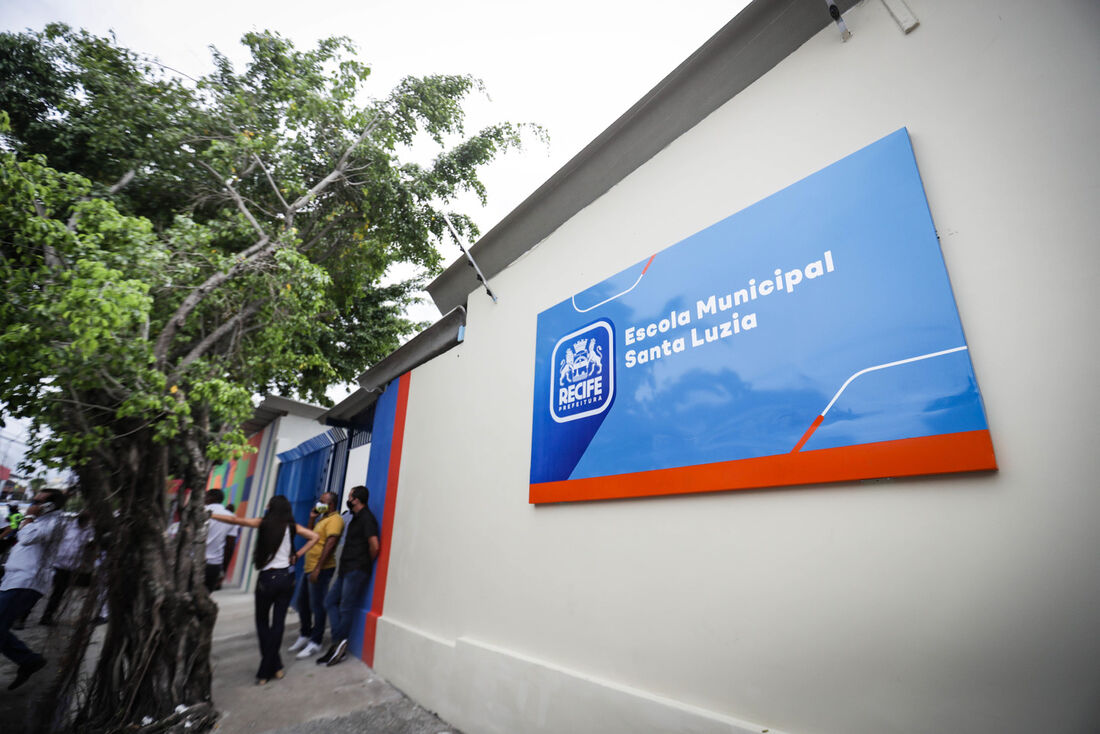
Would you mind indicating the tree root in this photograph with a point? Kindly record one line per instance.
(199, 717)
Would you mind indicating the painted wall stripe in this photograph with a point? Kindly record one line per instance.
(381, 569)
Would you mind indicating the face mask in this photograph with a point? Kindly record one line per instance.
(321, 508)
(350, 507)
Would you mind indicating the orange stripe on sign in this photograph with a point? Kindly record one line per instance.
(381, 569)
(806, 436)
(943, 454)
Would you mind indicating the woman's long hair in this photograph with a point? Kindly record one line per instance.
(273, 528)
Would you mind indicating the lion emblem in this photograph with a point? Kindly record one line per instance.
(582, 361)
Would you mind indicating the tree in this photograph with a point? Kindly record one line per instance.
(170, 248)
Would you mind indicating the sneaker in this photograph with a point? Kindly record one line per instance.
(309, 650)
(327, 656)
(26, 671)
(339, 653)
(299, 644)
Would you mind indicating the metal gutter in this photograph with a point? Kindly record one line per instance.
(438, 338)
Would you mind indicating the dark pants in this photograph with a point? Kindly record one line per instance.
(345, 596)
(62, 578)
(212, 578)
(274, 590)
(230, 544)
(311, 604)
(16, 603)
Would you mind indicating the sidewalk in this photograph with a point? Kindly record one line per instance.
(311, 699)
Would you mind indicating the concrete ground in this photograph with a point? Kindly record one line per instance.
(311, 699)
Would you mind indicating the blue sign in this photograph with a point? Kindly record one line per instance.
(811, 337)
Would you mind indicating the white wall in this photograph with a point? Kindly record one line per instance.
(957, 603)
(358, 461)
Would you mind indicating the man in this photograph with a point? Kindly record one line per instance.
(27, 577)
(320, 565)
(215, 540)
(72, 561)
(356, 562)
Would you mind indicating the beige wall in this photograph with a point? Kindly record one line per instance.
(959, 603)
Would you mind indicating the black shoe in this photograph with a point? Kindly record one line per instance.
(339, 653)
(327, 656)
(26, 671)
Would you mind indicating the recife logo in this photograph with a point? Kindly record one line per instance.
(582, 382)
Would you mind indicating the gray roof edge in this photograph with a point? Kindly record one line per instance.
(290, 407)
(428, 344)
(441, 336)
(347, 412)
(751, 44)
(272, 408)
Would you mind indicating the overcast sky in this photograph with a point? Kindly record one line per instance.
(572, 66)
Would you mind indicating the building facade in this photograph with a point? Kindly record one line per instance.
(922, 602)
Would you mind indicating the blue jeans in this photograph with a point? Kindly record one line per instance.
(311, 604)
(15, 603)
(345, 596)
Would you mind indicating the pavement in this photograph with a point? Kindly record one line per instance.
(311, 699)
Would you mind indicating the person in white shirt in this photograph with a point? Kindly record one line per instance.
(71, 562)
(27, 577)
(274, 557)
(216, 533)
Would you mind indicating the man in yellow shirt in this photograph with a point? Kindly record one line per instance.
(320, 564)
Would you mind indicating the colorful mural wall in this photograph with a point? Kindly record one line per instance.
(236, 478)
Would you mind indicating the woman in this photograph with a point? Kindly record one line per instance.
(274, 557)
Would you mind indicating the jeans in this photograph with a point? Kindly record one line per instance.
(15, 603)
(311, 601)
(274, 590)
(345, 596)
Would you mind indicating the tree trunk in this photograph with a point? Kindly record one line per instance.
(156, 653)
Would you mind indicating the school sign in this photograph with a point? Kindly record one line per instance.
(812, 337)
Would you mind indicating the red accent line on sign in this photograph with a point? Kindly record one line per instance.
(806, 436)
(381, 569)
(641, 275)
(942, 454)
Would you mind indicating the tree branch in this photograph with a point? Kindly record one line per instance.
(306, 247)
(335, 173)
(118, 186)
(236, 198)
(271, 181)
(212, 338)
(259, 249)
